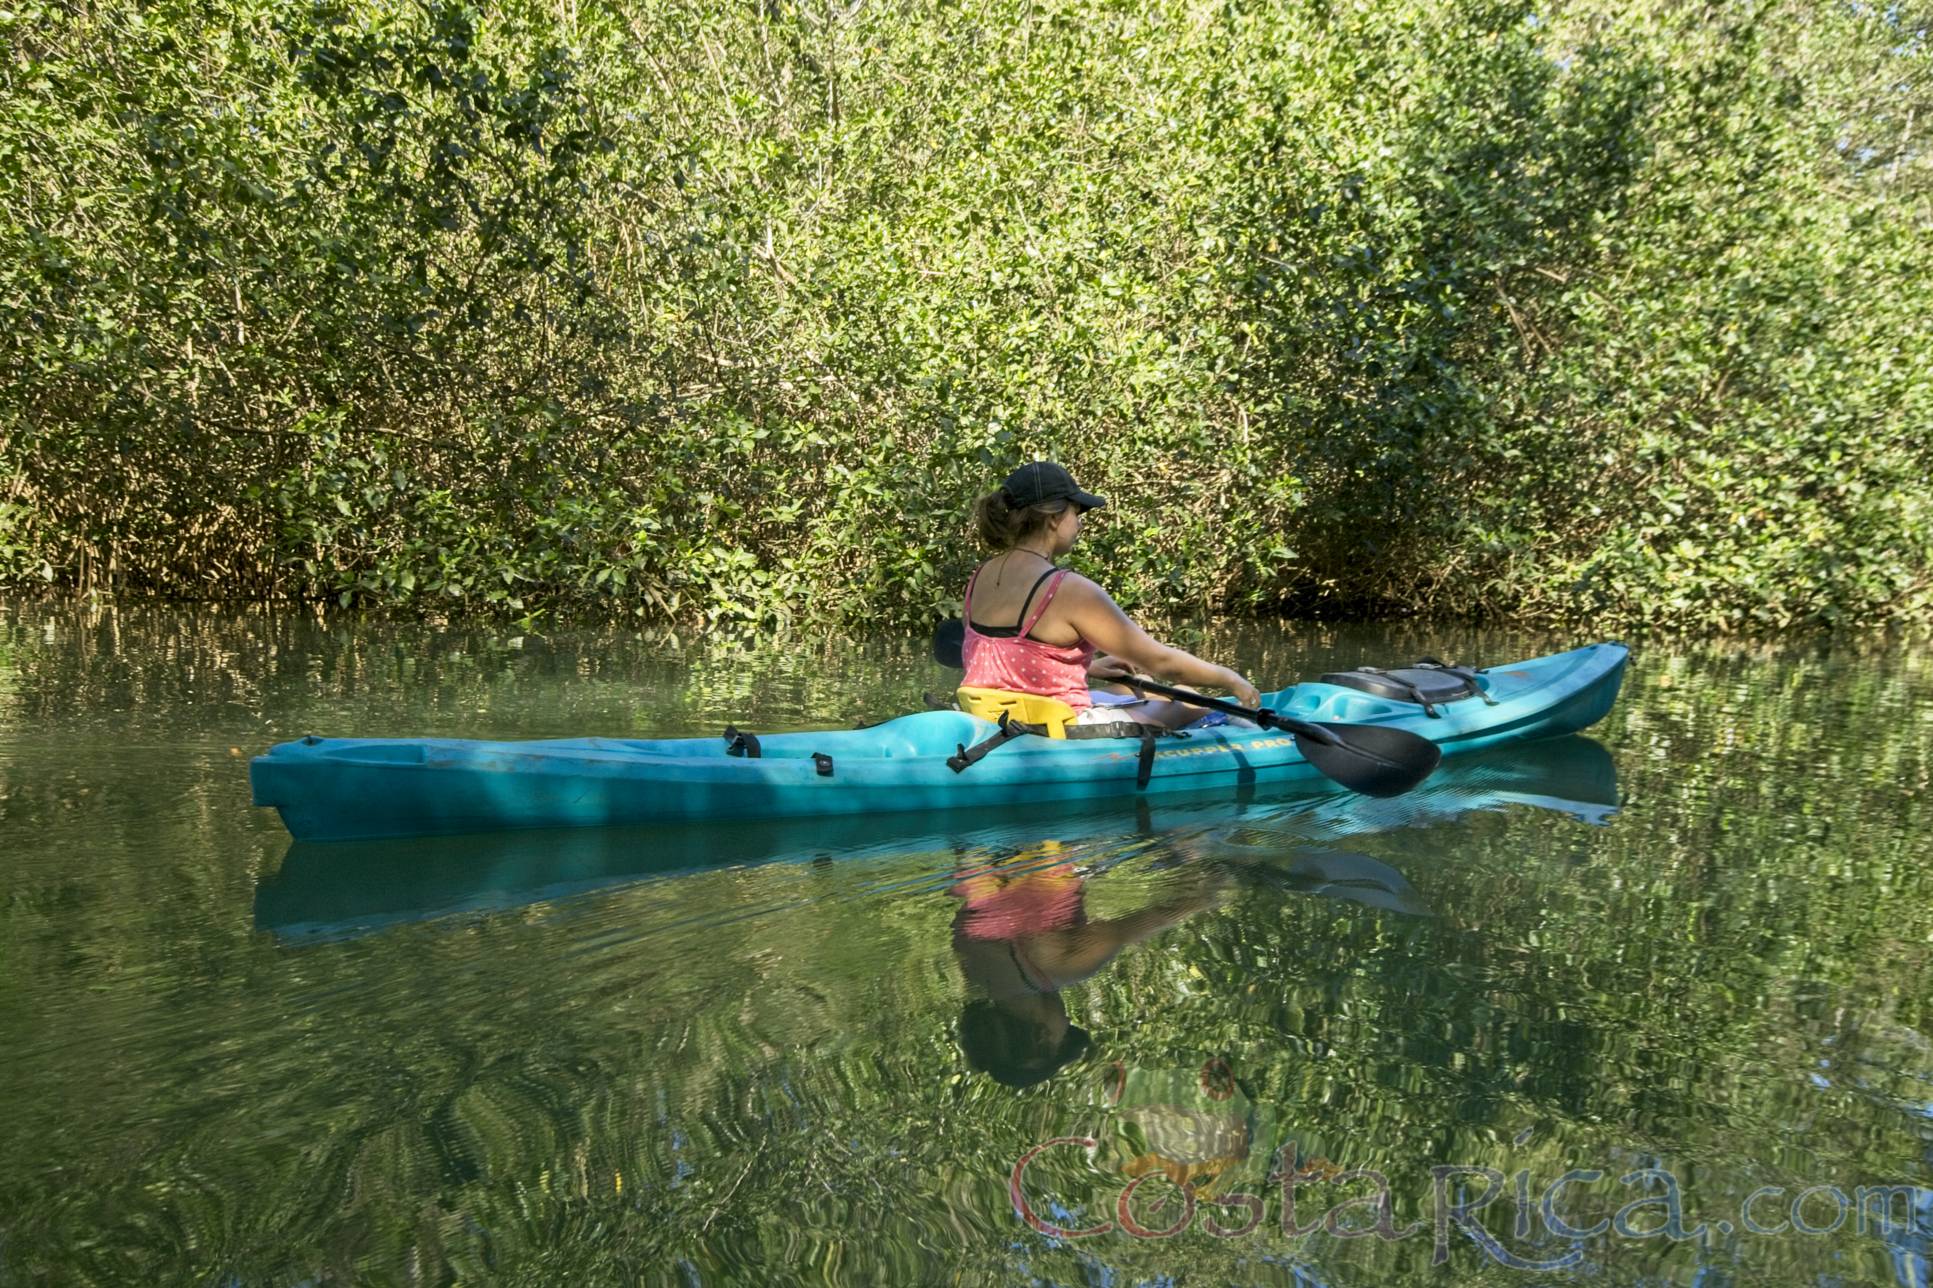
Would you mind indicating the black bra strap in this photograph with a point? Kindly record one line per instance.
(1009, 632)
(1028, 602)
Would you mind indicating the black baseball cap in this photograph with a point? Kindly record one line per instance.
(1045, 481)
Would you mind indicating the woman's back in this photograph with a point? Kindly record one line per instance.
(1008, 589)
(1010, 654)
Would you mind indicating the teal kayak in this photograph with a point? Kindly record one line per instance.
(330, 789)
(336, 890)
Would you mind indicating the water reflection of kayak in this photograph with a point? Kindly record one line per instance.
(338, 789)
(347, 888)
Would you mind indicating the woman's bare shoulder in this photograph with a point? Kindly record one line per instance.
(1083, 594)
(1080, 587)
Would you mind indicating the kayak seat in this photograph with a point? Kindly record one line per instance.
(1032, 708)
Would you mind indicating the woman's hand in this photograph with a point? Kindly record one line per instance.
(1105, 668)
(1245, 693)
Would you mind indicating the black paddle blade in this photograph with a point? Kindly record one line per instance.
(949, 637)
(1371, 759)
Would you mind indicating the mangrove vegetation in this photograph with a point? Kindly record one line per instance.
(1541, 312)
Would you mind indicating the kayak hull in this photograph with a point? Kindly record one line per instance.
(343, 789)
(335, 889)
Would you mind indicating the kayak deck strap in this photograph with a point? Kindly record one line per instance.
(966, 757)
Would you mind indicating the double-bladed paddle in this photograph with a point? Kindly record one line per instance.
(1376, 760)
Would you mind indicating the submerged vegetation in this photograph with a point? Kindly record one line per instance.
(1543, 312)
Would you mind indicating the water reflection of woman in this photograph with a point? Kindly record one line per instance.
(1022, 935)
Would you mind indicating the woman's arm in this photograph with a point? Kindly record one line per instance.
(1092, 612)
(1072, 955)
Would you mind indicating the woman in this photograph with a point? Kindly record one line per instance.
(1034, 627)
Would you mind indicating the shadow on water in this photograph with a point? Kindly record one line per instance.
(331, 891)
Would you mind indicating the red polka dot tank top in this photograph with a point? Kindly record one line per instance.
(1022, 664)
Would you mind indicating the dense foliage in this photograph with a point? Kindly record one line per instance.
(1554, 312)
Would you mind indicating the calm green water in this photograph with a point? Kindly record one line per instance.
(1693, 955)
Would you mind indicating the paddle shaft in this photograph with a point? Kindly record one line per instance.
(1260, 715)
